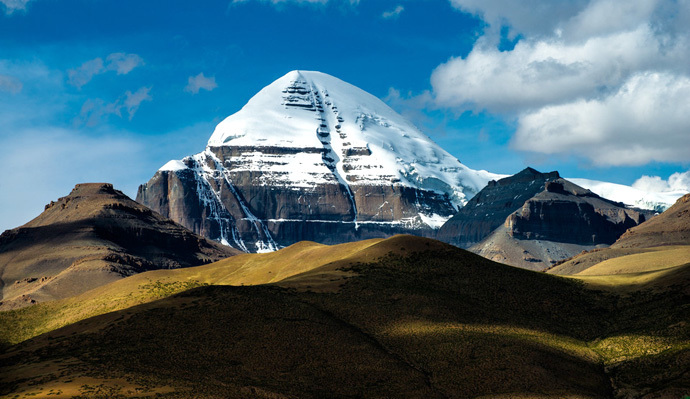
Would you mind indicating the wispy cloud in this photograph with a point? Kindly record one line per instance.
(14, 5)
(95, 111)
(10, 84)
(299, 2)
(80, 76)
(198, 82)
(121, 63)
(394, 13)
(133, 100)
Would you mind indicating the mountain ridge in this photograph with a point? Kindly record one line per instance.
(92, 236)
(311, 157)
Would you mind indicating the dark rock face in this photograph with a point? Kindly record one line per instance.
(565, 212)
(217, 198)
(540, 206)
(533, 220)
(570, 220)
(491, 206)
(91, 237)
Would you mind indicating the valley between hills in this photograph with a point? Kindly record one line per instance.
(344, 255)
(400, 317)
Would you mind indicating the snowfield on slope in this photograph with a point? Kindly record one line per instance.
(631, 196)
(314, 110)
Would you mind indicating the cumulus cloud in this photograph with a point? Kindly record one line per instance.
(646, 120)
(14, 5)
(677, 182)
(394, 13)
(198, 82)
(546, 72)
(10, 84)
(602, 79)
(121, 63)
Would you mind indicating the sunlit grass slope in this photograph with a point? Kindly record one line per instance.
(403, 317)
(247, 269)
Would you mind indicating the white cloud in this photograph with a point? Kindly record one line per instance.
(80, 76)
(394, 13)
(646, 120)
(95, 111)
(527, 16)
(133, 100)
(10, 84)
(547, 72)
(677, 182)
(14, 5)
(602, 79)
(198, 82)
(121, 63)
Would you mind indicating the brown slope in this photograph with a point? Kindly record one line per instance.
(437, 323)
(415, 318)
(652, 242)
(672, 227)
(91, 237)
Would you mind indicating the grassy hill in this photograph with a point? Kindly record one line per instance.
(402, 317)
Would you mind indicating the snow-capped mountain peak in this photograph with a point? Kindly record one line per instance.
(364, 140)
(312, 157)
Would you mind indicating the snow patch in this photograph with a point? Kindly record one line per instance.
(631, 196)
(173, 166)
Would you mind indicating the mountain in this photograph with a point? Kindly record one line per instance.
(311, 157)
(672, 227)
(660, 243)
(91, 237)
(631, 196)
(534, 219)
(404, 317)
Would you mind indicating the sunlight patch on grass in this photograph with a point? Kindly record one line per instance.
(561, 343)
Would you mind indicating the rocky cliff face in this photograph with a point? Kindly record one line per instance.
(565, 212)
(312, 158)
(489, 209)
(93, 236)
(533, 220)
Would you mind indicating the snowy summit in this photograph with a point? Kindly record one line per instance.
(311, 157)
(367, 141)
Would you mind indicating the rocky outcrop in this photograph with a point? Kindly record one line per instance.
(567, 213)
(93, 236)
(534, 220)
(489, 209)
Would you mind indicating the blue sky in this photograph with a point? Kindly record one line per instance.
(101, 90)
